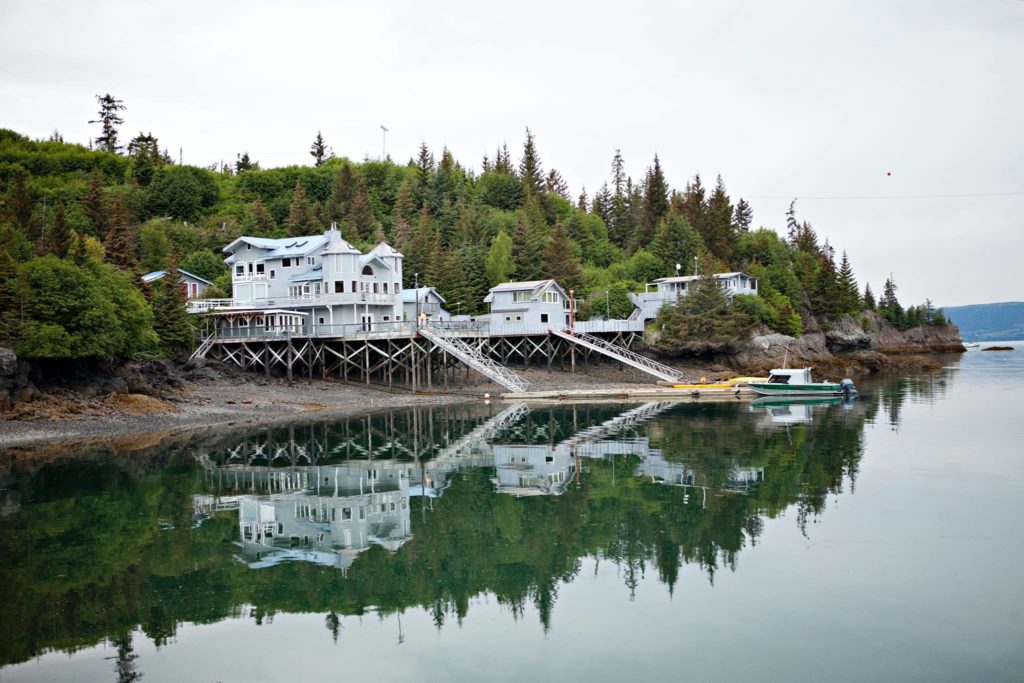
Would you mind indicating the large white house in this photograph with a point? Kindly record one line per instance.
(319, 285)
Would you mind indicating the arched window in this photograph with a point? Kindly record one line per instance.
(367, 270)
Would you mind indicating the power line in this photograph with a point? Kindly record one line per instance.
(883, 197)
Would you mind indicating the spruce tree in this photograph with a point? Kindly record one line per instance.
(109, 120)
(474, 270)
(243, 163)
(120, 244)
(57, 239)
(343, 191)
(581, 202)
(655, 205)
(170, 319)
(319, 150)
(257, 220)
(868, 302)
(559, 259)
(849, 295)
(677, 243)
(718, 232)
(20, 202)
(94, 205)
(360, 215)
(529, 167)
(555, 184)
(300, 214)
(707, 296)
(602, 206)
(500, 264)
(742, 216)
(527, 249)
(9, 299)
(825, 294)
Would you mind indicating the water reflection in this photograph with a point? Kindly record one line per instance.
(427, 508)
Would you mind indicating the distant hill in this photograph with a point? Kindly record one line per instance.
(989, 322)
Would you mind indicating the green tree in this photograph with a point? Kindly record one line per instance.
(559, 260)
(643, 266)
(109, 120)
(182, 192)
(257, 221)
(57, 239)
(849, 294)
(527, 249)
(718, 232)
(706, 297)
(205, 264)
(530, 170)
(170, 320)
(676, 243)
(500, 264)
(243, 163)
(300, 213)
(94, 205)
(474, 269)
(868, 302)
(20, 201)
(655, 205)
(343, 191)
(360, 215)
(319, 150)
(742, 216)
(154, 245)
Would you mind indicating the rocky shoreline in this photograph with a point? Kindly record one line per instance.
(142, 403)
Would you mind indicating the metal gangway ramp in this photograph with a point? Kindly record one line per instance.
(451, 342)
(619, 353)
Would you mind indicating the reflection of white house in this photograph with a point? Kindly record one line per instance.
(532, 470)
(328, 515)
(425, 301)
(318, 284)
(667, 290)
(194, 285)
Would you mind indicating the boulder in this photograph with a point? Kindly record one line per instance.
(846, 334)
(114, 385)
(8, 362)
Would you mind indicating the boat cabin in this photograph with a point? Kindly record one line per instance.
(790, 376)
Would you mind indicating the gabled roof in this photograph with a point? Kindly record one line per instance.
(536, 287)
(157, 274)
(340, 246)
(385, 250)
(409, 295)
(366, 258)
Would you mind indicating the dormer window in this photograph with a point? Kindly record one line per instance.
(367, 270)
(310, 261)
(286, 263)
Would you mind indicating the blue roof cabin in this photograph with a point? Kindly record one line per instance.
(194, 285)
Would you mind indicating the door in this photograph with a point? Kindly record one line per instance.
(367, 323)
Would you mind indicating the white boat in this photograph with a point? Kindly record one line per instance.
(798, 382)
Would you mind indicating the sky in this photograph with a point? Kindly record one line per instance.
(897, 126)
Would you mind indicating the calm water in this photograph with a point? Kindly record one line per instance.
(879, 540)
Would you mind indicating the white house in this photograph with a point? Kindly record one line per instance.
(318, 284)
(425, 301)
(194, 285)
(537, 303)
(667, 290)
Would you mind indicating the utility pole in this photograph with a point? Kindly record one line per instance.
(416, 288)
(384, 143)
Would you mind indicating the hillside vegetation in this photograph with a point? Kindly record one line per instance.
(78, 225)
(990, 322)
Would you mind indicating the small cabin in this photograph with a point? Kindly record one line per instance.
(194, 285)
(426, 302)
(535, 302)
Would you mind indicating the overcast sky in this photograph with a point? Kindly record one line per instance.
(816, 100)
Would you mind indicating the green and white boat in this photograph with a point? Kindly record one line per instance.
(798, 382)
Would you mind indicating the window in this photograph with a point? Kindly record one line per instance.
(248, 246)
(393, 507)
(508, 319)
(321, 320)
(398, 288)
(272, 274)
(346, 514)
(383, 507)
(387, 318)
(520, 297)
(354, 288)
(243, 322)
(376, 289)
(519, 318)
(551, 297)
(310, 261)
(239, 270)
(543, 317)
(339, 286)
(385, 288)
(286, 263)
(362, 512)
(259, 268)
(367, 270)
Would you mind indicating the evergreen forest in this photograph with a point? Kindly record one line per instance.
(80, 223)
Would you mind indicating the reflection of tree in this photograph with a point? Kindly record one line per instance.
(125, 666)
(97, 549)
